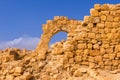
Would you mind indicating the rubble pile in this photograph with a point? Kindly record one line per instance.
(90, 52)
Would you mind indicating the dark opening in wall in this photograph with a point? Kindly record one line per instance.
(58, 37)
(94, 24)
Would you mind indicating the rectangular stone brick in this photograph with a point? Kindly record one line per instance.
(112, 56)
(103, 18)
(98, 58)
(82, 46)
(90, 25)
(105, 7)
(100, 25)
(106, 56)
(94, 12)
(56, 17)
(109, 50)
(91, 35)
(117, 48)
(69, 54)
(86, 18)
(115, 24)
(97, 6)
(116, 19)
(89, 46)
(94, 52)
(109, 18)
(78, 58)
(108, 24)
(115, 62)
(104, 12)
(118, 54)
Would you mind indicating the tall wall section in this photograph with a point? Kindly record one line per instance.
(94, 42)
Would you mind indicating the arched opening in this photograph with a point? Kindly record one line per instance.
(58, 37)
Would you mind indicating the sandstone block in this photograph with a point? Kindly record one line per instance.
(94, 52)
(56, 17)
(105, 7)
(108, 63)
(108, 24)
(96, 20)
(106, 56)
(90, 25)
(97, 6)
(41, 56)
(109, 50)
(57, 51)
(41, 64)
(109, 18)
(86, 51)
(116, 19)
(71, 60)
(91, 65)
(49, 21)
(105, 13)
(83, 34)
(103, 18)
(27, 76)
(94, 12)
(86, 63)
(79, 52)
(96, 46)
(78, 58)
(112, 56)
(103, 36)
(5, 58)
(117, 48)
(64, 60)
(118, 54)
(82, 46)
(91, 59)
(115, 24)
(95, 30)
(69, 54)
(18, 70)
(98, 37)
(100, 25)
(86, 18)
(91, 35)
(94, 41)
(101, 64)
(98, 58)
(89, 46)
(77, 73)
(68, 47)
(112, 13)
(115, 62)
(9, 77)
(108, 68)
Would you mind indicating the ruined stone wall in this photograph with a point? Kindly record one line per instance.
(90, 52)
(94, 42)
(51, 28)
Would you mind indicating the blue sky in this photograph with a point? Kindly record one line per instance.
(24, 18)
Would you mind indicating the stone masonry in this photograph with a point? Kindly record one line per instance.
(94, 42)
(90, 52)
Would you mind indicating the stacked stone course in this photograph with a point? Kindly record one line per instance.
(94, 42)
(91, 45)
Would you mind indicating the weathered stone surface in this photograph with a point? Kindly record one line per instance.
(91, 45)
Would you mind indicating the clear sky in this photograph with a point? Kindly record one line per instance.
(23, 19)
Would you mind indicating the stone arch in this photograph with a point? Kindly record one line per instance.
(52, 27)
(58, 37)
